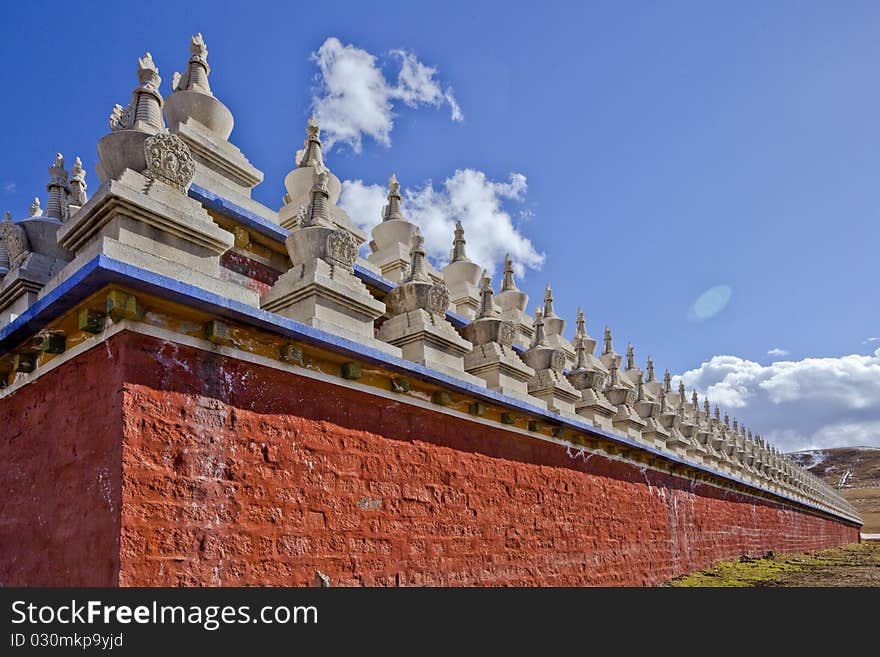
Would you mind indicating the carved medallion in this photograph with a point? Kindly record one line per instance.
(15, 241)
(169, 160)
(341, 249)
(438, 299)
(506, 334)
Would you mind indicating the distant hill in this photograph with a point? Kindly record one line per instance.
(854, 472)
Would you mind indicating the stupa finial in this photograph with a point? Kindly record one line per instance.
(57, 204)
(508, 283)
(548, 302)
(540, 339)
(392, 210)
(35, 209)
(650, 368)
(458, 253)
(608, 349)
(145, 106)
(197, 69)
(77, 184)
(417, 270)
(630, 357)
(667, 381)
(614, 380)
(319, 214)
(487, 304)
(580, 325)
(311, 154)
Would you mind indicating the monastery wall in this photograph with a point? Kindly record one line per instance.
(198, 389)
(174, 465)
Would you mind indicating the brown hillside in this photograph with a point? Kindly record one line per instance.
(854, 472)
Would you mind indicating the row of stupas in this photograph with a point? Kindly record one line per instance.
(157, 148)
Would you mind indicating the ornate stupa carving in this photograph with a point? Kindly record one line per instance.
(204, 123)
(298, 183)
(392, 238)
(141, 214)
(320, 289)
(492, 357)
(462, 277)
(417, 321)
(653, 433)
(123, 147)
(549, 382)
(588, 377)
(513, 302)
(626, 420)
(31, 246)
(554, 328)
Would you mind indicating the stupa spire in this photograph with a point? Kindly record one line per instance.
(682, 395)
(77, 184)
(487, 304)
(56, 206)
(630, 357)
(197, 69)
(640, 387)
(580, 325)
(650, 368)
(548, 302)
(319, 215)
(608, 349)
(458, 252)
(417, 270)
(508, 283)
(667, 381)
(35, 209)
(540, 339)
(146, 101)
(614, 379)
(392, 210)
(311, 154)
(580, 348)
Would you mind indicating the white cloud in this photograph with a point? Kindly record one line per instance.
(467, 196)
(870, 340)
(9, 187)
(776, 351)
(806, 404)
(355, 99)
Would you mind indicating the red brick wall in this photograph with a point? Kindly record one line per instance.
(235, 474)
(60, 474)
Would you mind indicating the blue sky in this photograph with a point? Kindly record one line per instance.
(667, 148)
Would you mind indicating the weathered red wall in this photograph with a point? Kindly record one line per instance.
(60, 475)
(238, 474)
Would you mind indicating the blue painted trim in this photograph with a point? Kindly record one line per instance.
(102, 270)
(242, 215)
(375, 280)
